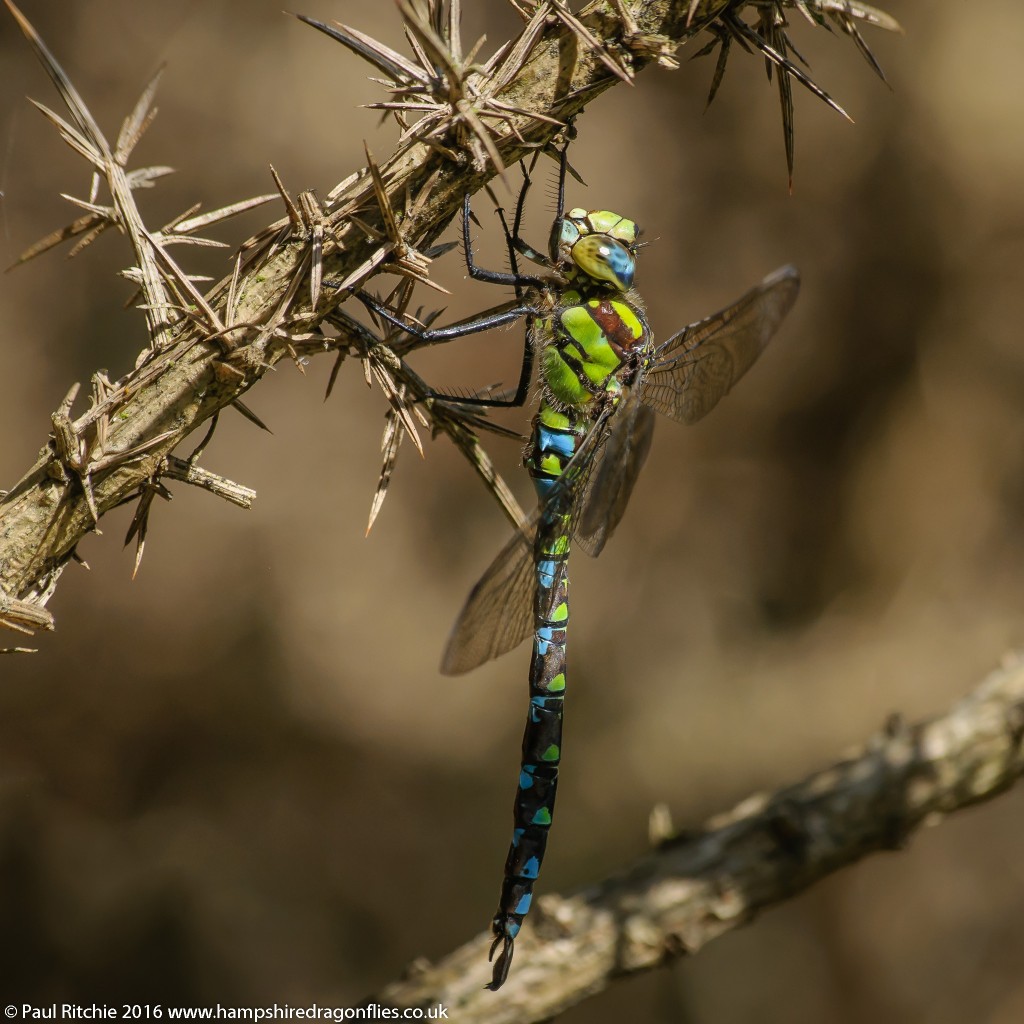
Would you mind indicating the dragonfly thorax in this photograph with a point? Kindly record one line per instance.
(596, 245)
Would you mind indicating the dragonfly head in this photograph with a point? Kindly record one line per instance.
(598, 244)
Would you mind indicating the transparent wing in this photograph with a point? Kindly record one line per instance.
(611, 479)
(691, 372)
(697, 366)
(498, 614)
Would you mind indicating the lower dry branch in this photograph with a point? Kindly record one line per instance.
(694, 888)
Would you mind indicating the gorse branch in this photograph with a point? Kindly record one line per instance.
(463, 119)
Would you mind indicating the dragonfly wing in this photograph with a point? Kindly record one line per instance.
(697, 366)
(611, 480)
(498, 614)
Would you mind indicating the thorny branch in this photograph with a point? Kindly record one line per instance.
(695, 887)
(462, 121)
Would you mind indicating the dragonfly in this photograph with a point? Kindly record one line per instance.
(602, 381)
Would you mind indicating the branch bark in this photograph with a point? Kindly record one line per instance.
(769, 848)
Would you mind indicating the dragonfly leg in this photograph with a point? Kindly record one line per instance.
(515, 239)
(435, 335)
(517, 280)
(484, 322)
(520, 282)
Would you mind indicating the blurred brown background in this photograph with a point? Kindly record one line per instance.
(240, 778)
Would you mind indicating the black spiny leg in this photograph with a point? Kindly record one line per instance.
(517, 280)
(496, 317)
(522, 247)
(484, 322)
(516, 240)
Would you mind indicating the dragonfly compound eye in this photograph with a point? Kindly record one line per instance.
(605, 259)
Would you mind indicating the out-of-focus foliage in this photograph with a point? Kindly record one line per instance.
(241, 778)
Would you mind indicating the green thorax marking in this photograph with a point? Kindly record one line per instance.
(589, 342)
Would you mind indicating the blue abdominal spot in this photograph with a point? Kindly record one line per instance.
(557, 441)
(546, 573)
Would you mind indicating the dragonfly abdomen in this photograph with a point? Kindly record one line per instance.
(542, 738)
(590, 340)
(553, 443)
